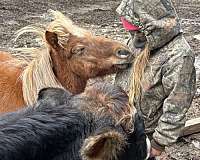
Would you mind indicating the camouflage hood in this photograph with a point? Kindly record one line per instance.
(156, 18)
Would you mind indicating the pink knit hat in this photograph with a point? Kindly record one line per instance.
(128, 26)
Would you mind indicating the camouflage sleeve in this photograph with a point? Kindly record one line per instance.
(179, 84)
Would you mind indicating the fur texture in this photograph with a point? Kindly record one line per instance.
(64, 126)
(91, 146)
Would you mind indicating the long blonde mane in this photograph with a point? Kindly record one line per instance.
(139, 66)
(38, 73)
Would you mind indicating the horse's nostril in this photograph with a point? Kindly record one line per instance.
(123, 53)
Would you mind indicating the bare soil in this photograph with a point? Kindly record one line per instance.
(100, 17)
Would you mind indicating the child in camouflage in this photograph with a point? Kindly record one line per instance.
(161, 81)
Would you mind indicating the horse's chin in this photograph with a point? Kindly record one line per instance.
(123, 66)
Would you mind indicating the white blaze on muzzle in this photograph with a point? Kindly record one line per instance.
(148, 148)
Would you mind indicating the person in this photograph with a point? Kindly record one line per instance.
(162, 80)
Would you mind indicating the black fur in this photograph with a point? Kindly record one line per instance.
(55, 128)
(136, 148)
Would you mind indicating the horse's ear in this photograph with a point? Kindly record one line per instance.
(104, 146)
(52, 39)
(57, 95)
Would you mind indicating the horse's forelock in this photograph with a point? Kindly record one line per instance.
(63, 25)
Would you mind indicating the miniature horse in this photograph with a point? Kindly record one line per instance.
(63, 126)
(68, 57)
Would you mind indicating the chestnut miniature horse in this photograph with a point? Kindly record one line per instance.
(68, 57)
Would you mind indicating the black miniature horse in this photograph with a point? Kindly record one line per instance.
(61, 126)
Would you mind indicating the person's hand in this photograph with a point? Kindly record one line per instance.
(155, 152)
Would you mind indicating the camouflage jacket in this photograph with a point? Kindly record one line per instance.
(169, 78)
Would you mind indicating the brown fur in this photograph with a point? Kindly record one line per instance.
(73, 55)
(112, 101)
(10, 91)
(105, 146)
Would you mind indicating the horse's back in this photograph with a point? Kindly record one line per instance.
(11, 96)
(5, 56)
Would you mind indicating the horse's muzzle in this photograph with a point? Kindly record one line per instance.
(123, 53)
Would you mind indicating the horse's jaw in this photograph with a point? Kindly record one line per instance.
(72, 82)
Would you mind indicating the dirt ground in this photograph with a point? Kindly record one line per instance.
(99, 16)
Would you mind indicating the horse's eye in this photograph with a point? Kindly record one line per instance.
(80, 49)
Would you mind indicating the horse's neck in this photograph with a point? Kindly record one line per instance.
(65, 76)
(71, 81)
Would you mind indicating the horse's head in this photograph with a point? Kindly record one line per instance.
(90, 56)
(68, 57)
